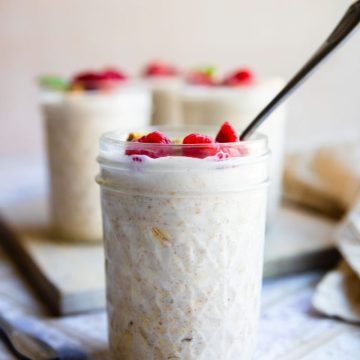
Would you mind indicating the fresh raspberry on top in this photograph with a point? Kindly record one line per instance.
(228, 137)
(86, 76)
(158, 68)
(196, 138)
(242, 76)
(113, 75)
(88, 80)
(199, 151)
(226, 134)
(97, 80)
(155, 137)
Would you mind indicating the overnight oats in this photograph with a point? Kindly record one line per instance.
(76, 113)
(165, 82)
(239, 96)
(184, 221)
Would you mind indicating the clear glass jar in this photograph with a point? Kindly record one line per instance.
(184, 247)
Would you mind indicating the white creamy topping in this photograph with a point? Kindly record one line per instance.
(180, 174)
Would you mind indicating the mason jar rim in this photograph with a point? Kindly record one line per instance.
(118, 138)
(172, 158)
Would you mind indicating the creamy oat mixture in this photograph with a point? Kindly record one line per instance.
(184, 241)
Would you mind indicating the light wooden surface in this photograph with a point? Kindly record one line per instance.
(299, 241)
(70, 276)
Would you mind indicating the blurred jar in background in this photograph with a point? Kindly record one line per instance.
(76, 113)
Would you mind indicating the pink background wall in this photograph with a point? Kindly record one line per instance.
(272, 36)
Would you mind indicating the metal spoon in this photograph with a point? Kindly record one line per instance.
(345, 27)
(27, 345)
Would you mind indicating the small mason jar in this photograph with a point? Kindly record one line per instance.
(184, 246)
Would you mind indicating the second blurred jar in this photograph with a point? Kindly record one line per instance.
(239, 105)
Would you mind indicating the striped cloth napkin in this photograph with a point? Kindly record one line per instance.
(338, 294)
(338, 167)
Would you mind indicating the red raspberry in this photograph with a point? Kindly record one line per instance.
(196, 138)
(226, 134)
(158, 68)
(89, 80)
(155, 137)
(92, 80)
(86, 76)
(199, 151)
(113, 75)
(110, 78)
(243, 76)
